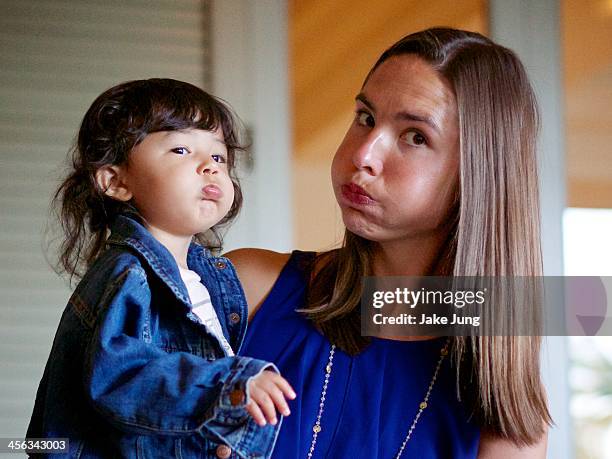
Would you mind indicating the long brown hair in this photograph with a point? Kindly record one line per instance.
(494, 229)
(117, 121)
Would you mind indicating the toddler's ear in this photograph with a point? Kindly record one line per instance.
(111, 181)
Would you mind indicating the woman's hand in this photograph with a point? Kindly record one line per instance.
(267, 392)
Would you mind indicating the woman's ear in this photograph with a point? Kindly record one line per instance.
(110, 180)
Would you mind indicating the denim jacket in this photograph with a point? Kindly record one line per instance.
(134, 373)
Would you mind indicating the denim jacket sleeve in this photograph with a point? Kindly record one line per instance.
(140, 388)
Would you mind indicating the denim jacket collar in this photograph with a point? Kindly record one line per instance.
(128, 231)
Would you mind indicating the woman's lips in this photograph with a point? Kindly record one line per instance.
(356, 195)
(212, 192)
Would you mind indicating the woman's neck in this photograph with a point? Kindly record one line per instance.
(408, 257)
(414, 257)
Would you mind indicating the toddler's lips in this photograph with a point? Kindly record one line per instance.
(212, 192)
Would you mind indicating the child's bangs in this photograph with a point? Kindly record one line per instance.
(190, 108)
(176, 111)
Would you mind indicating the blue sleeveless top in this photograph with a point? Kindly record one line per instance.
(372, 398)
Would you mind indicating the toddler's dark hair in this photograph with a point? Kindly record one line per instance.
(117, 121)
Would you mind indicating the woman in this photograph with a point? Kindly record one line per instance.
(436, 176)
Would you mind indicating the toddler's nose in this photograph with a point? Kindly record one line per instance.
(208, 166)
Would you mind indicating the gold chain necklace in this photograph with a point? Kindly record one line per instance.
(328, 371)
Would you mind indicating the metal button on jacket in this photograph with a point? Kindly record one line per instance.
(237, 397)
(220, 264)
(234, 317)
(223, 452)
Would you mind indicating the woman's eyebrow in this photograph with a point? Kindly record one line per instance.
(364, 100)
(403, 115)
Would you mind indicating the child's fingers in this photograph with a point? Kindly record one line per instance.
(284, 386)
(261, 397)
(268, 408)
(253, 409)
(278, 398)
(268, 391)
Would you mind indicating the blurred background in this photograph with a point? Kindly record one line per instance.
(291, 69)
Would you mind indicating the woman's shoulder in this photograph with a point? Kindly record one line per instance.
(254, 263)
(257, 270)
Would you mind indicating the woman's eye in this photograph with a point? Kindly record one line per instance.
(219, 158)
(415, 139)
(363, 118)
(180, 151)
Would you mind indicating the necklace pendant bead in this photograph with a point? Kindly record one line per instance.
(328, 369)
(316, 429)
(423, 405)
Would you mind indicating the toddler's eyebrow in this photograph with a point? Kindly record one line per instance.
(186, 131)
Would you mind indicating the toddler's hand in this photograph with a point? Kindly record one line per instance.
(267, 393)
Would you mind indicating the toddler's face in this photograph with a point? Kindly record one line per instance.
(179, 180)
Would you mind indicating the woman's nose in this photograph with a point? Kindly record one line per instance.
(368, 156)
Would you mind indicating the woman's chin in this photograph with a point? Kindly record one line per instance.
(357, 223)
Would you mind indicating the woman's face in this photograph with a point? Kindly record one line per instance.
(396, 171)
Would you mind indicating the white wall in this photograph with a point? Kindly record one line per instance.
(250, 71)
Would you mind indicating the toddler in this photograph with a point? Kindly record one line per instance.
(143, 363)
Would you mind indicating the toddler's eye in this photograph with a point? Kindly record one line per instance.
(414, 139)
(363, 118)
(219, 158)
(180, 151)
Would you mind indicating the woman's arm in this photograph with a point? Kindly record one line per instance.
(493, 447)
(257, 270)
